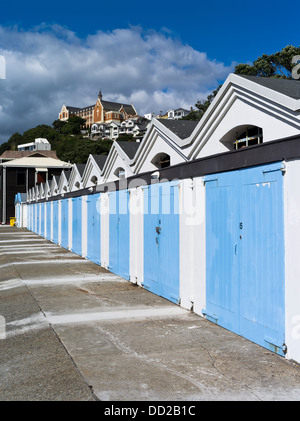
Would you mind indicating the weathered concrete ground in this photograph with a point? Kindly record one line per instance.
(74, 331)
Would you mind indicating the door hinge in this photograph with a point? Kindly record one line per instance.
(211, 317)
(176, 299)
(276, 345)
(273, 168)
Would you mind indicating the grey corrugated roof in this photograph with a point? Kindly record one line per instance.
(107, 105)
(67, 174)
(73, 108)
(288, 87)
(115, 106)
(129, 148)
(100, 160)
(80, 168)
(182, 128)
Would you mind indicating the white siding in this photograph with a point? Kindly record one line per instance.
(70, 204)
(84, 226)
(292, 261)
(136, 206)
(192, 244)
(104, 206)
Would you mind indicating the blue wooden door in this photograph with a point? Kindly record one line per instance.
(161, 240)
(65, 223)
(77, 225)
(94, 228)
(221, 250)
(55, 221)
(48, 220)
(245, 254)
(262, 257)
(119, 221)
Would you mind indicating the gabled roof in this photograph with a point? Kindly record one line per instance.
(93, 169)
(22, 154)
(115, 106)
(80, 168)
(54, 184)
(288, 87)
(276, 102)
(63, 184)
(67, 173)
(182, 128)
(75, 178)
(37, 162)
(129, 148)
(72, 109)
(100, 160)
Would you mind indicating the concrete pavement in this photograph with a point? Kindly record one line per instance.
(74, 331)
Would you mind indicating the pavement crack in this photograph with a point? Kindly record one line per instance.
(128, 350)
(226, 376)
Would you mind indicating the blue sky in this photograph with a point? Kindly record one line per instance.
(155, 55)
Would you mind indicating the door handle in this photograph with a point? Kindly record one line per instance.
(158, 229)
(235, 249)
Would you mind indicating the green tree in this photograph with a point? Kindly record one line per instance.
(4, 147)
(41, 130)
(15, 140)
(73, 125)
(192, 115)
(277, 65)
(127, 137)
(58, 125)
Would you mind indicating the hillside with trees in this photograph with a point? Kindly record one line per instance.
(65, 138)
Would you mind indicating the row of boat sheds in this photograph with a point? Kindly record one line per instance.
(205, 214)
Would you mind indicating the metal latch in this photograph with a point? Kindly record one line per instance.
(276, 345)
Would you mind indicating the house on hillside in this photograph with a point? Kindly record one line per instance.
(101, 113)
(176, 114)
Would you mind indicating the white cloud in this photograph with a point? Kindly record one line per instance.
(49, 66)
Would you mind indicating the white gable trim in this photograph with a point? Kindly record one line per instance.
(91, 170)
(158, 132)
(54, 186)
(237, 88)
(74, 178)
(115, 159)
(63, 184)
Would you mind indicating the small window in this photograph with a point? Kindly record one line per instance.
(242, 136)
(94, 180)
(161, 160)
(252, 136)
(120, 173)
